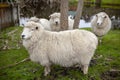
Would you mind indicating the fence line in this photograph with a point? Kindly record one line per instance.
(90, 3)
(8, 15)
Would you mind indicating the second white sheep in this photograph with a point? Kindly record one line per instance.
(55, 22)
(101, 24)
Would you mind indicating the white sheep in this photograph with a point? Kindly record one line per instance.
(55, 22)
(43, 21)
(35, 19)
(66, 48)
(101, 24)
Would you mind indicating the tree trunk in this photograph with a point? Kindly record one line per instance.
(78, 14)
(64, 14)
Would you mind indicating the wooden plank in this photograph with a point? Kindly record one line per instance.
(3, 5)
(103, 5)
(109, 4)
(6, 17)
(0, 20)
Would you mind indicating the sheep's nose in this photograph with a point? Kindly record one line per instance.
(56, 22)
(23, 36)
(22, 24)
(98, 24)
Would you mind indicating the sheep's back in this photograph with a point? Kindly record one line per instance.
(45, 23)
(68, 48)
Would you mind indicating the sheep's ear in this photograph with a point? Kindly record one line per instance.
(36, 28)
(96, 15)
(50, 16)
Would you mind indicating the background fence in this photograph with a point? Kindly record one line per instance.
(8, 15)
(113, 4)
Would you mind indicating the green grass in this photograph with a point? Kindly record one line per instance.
(73, 2)
(106, 58)
(103, 2)
(109, 1)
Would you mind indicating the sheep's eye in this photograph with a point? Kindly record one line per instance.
(105, 17)
(96, 15)
(36, 28)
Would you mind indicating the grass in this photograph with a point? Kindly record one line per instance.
(104, 2)
(108, 1)
(105, 60)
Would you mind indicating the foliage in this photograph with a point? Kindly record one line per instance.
(73, 2)
(105, 60)
(39, 8)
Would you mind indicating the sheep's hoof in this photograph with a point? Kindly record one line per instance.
(45, 74)
(85, 72)
(100, 42)
(46, 71)
(85, 69)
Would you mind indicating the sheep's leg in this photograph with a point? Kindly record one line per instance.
(85, 69)
(77, 65)
(100, 40)
(46, 70)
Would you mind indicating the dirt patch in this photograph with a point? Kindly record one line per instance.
(111, 75)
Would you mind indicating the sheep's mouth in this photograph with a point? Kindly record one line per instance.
(25, 38)
(99, 27)
(56, 24)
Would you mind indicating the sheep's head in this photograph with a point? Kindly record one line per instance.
(29, 29)
(100, 18)
(35, 19)
(55, 17)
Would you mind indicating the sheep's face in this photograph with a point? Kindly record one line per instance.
(26, 34)
(28, 30)
(55, 18)
(100, 19)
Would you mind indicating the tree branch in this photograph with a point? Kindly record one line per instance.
(64, 14)
(11, 65)
(78, 14)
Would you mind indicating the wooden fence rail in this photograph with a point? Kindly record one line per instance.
(111, 5)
